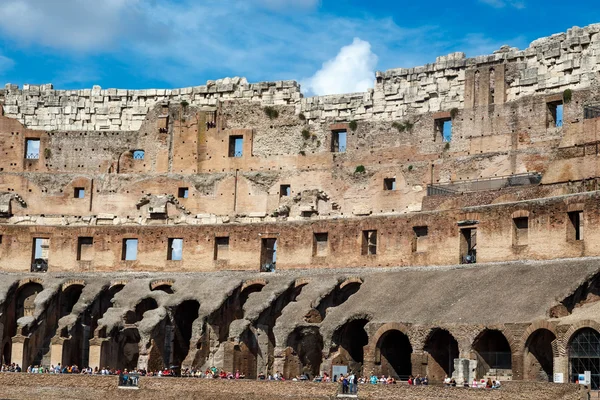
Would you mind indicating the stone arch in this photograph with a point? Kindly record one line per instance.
(144, 305)
(493, 351)
(442, 349)
(538, 356)
(71, 291)
(350, 339)
(306, 345)
(583, 349)
(253, 282)
(25, 298)
(521, 345)
(568, 335)
(184, 316)
(393, 354)
(338, 296)
(163, 285)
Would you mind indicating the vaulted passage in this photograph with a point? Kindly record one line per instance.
(69, 298)
(135, 316)
(493, 353)
(306, 344)
(539, 360)
(584, 355)
(129, 352)
(185, 315)
(337, 297)
(394, 353)
(442, 349)
(245, 355)
(350, 339)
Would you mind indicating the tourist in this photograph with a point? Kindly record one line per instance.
(344, 380)
(496, 385)
(489, 384)
(425, 380)
(351, 382)
(447, 381)
(373, 379)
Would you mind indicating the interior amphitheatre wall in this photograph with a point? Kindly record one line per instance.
(565, 60)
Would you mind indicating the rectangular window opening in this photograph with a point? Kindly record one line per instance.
(40, 254)
(236, 146)
(32, 149)
(321, 244)
(183, 193)
(285, 191)
(79, 193)
(420, 239)
(175, 250)
(222, 248)
(575, 227)
(85, 246)
(338, 141)
(443, 129)
(555, 114)
(268, 255)
(369, 243)
(389, 184)
(468, 245)
(521, 231)
(130, 247)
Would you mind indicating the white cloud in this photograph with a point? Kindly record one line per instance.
(504, 3)
(352, 70)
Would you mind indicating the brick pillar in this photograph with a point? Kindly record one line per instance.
(517, 366)
(418, 359)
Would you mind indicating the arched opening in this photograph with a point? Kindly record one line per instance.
(164, 288)
(584, 355)
(68, 298)
(442, 349)
(492, 85)
(393, 354)
(26, 295)
(245, 355)
(306, 344)
(539, 359)
(185, 315)
(351, 339)
(493, 354)
(141, 308)
(337, 297)
(129, 350)
(476, 88)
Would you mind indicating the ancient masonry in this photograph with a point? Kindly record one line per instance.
(446, 222)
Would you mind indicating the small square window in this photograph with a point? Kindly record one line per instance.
(79, 193)
(420, 239)
(85, 247)
(555, 114)
(321, 244)
(183, 192)
(175, 250)
(285, 191)
(575, 226)
(32, 149)
(521, 231)
(443, 129)
(130, 247)
(389, 184)
(236, 146)
(221, 248)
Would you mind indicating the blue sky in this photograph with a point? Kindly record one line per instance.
(329, 46)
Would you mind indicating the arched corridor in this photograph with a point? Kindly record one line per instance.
(306, 344)
(394, 353)
(538, 357)
(185, 315)
(442, 349)
(350, 339)
(493, 352)
(584, 355)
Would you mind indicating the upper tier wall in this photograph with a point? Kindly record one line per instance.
(565, 60)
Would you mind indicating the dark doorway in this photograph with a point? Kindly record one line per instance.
(468, 245)
(185, 315)
(584, 355)
(442, 349)
(493, 353)
(351, 339)
(539, 359)
(394, 355)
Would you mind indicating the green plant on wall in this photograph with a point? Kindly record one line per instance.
(271, 112)
(353, 125)
(453, 113)
(447, 146)
(402, 126)
(47, 153)
(567, 95)
(410, 167)
(305, 134)
(184, 104)
(360, 169)
(302, 117)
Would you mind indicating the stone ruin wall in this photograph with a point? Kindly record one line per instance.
(565, 60)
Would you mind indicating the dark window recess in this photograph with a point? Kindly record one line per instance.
(575, 226)
(420, 239)
(285, 191)
(389, 184)
(236, 146)
(338, 141)
(175, 250)
(369, 243)
(221, 248)
(130, 247)
(443, 129)
(79, 193)
(183, 193)
(468, 245)
(555, 114)
(520, 231)
(85, 246)
(40, 254)
(268, 255)
(32, 149)
(321, 244)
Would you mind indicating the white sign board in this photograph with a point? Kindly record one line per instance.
(585, 378)
(559, 377)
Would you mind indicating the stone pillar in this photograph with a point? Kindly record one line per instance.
(418, 359)
(264, 349)
(469, 89)
(19, 353)
(464, 370)
(99, 349)
(561, 365)
(56, 351)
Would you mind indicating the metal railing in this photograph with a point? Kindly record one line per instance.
(497, 359)
(483, 184)
(32, 156)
